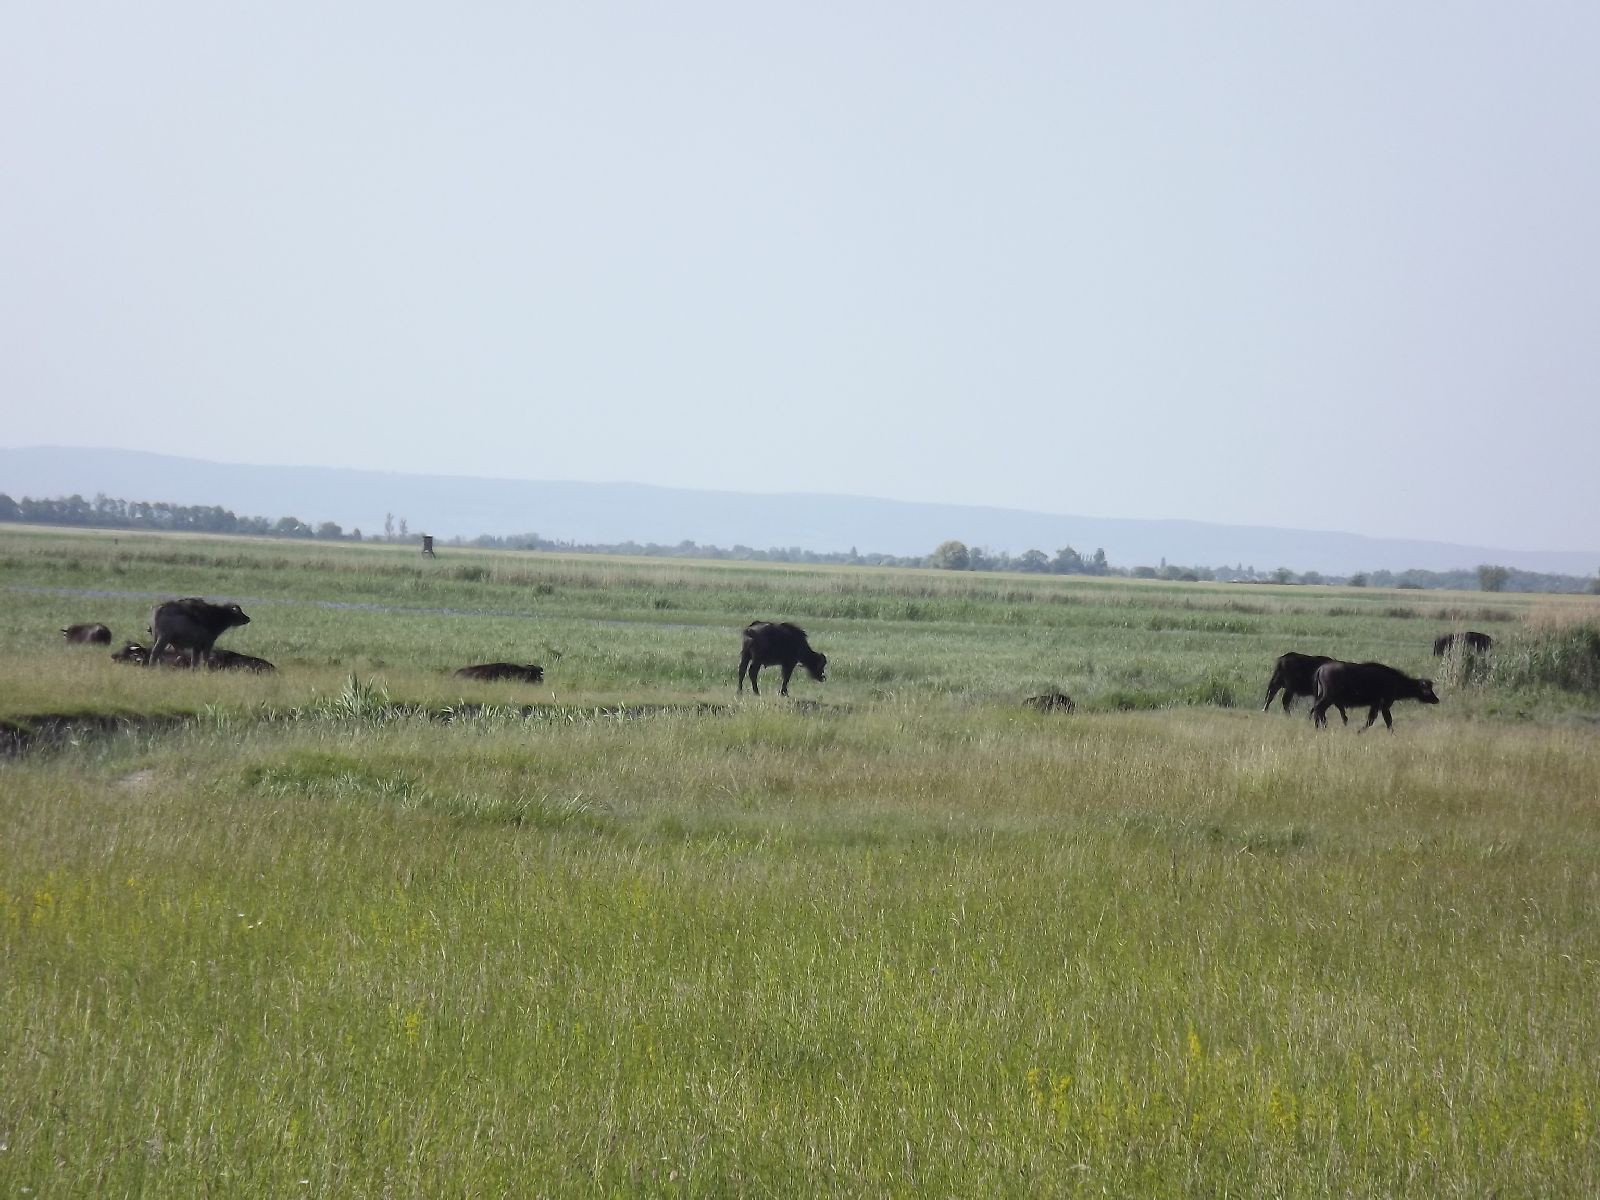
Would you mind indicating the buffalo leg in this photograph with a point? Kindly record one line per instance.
(1319, 715)
(755, 669)
(1387, 719)
(156, 647)
(744, 665)
(788, 670)
(1372, 715)
(1272, 690)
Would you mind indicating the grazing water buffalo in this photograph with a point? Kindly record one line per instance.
(1446, 642)
(489, 672)
(191, 624)
(1294, 675)
(87, 635)
(1349, 685)
(769, 644)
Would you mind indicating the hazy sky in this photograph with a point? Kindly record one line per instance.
(1327, 266)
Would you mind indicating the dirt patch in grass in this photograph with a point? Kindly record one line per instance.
(137, 782)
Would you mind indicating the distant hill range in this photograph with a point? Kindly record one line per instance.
(449, 506)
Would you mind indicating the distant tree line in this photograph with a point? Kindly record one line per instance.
(692, 549)
(957, 556)
(1486, 578)
(104, 512)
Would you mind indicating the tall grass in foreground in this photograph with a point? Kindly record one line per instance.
(359, 929)
(917, 949)
(1564, 655)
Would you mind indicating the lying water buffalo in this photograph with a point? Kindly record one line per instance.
(87, 635)
(1294, 675)
(769, 644)
(232, 660)
(1349, 685)
(1446, 642)
(212, 660)
(139, 656)
(191, 624)
(489, 672)
(1050, 702)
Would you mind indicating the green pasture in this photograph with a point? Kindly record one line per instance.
(359, 929)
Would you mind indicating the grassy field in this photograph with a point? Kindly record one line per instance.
(359, 929)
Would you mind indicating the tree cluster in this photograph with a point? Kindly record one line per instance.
(958, 556)
(106, 512)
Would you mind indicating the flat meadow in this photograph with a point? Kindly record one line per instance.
(358, 928)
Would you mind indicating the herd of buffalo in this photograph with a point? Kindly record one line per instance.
(1342, 685)
(183, 633)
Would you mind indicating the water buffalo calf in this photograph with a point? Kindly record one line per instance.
(1446, 642)
(1350, 685)
(191, 624)
(489, 672)
(139, 656)
(1294, 675)
(780, 644)
(213, 660)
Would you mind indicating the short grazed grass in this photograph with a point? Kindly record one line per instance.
(359, 929)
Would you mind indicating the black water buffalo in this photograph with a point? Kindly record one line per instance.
(1446, 642)
(212, 660)
(139, 656)
(1349, 685)
(1294, 675)
(780, 644)
(232, 660)
(191, 624)
(1050, 702)
(87, 635)
(489, 672)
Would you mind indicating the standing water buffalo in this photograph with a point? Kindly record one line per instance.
(1294, 675)
(191, 624)
(490, 672)
(87, 635)
(768, 644)
(1446, 642)
(1349, 685)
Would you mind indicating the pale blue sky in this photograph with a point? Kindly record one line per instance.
(1321, 266)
